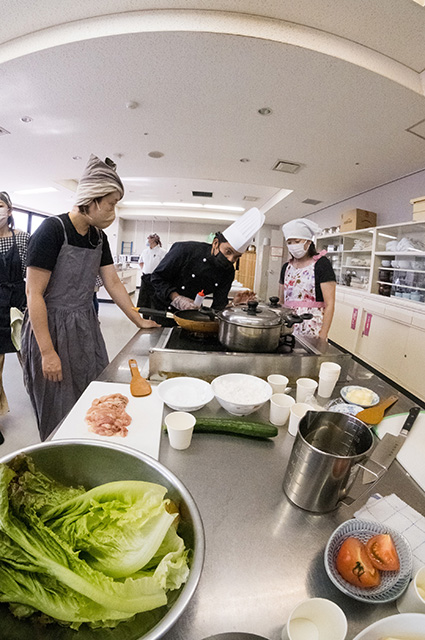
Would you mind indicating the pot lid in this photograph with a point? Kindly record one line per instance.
(251, 315)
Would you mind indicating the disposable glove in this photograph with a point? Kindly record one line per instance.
(183, 304)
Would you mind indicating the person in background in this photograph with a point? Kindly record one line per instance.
(191, 267)
(148, 262)
(307, 282)
(13, 258)
(62, 346)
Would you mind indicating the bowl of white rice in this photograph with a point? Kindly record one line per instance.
(241, 394)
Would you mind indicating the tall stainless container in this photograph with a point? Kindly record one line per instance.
(324, 460)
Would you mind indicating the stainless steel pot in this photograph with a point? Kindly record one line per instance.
(255, 327)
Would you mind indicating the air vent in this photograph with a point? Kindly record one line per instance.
(202, 194)
(250, 198)
(4, 132)
(286, 167)
(311, 201)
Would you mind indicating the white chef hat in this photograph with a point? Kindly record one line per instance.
(241, 232)
(300, 228)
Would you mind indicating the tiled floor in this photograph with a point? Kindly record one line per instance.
(19, 426)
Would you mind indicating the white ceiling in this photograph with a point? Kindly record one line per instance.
(344, 80)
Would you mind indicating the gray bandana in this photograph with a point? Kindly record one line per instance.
(99, 179)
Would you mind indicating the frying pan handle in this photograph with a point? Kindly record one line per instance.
(154, 312)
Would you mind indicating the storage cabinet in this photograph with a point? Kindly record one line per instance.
(388, 261)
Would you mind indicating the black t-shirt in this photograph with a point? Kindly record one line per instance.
(323, 272)
(45, 244)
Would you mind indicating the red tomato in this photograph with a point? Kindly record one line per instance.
(354, 565)
(382, 552)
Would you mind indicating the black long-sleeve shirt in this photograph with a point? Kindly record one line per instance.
(189, 268)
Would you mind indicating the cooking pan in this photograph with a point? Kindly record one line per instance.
(191, 320)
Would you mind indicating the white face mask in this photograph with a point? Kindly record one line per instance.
(147, 243)
(298, 251)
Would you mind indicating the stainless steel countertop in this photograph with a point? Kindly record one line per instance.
(263, 554)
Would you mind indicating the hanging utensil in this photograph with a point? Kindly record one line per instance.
(138, 386)
(374, 415)
(387, 449)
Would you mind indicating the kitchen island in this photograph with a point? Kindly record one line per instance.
(263, 554)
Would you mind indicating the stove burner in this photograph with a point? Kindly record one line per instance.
(198, 336)
(196, 341)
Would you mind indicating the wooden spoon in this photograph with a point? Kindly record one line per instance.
(374, 415)
(138, 386)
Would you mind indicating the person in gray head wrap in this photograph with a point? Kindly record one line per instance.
(62, 347)
(307, 282)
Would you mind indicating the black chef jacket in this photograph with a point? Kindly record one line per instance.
(189, 268)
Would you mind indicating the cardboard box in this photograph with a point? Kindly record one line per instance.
(357, 219)
(418, 208)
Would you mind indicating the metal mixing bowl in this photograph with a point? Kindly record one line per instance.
(84, 462)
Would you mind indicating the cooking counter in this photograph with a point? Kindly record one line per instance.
(263, 554)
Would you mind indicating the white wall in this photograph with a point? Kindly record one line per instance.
(391, 202)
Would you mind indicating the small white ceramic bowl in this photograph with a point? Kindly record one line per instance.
(185, 394)
(402, 625)
(241, 394)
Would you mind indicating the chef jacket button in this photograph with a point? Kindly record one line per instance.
(216, 284)
(182, 287)
(204, 259)
(193, 275)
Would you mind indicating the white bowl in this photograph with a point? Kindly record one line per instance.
(241, 394)
(393, 583)
(185, 394)
(401, 625)
(345, 393)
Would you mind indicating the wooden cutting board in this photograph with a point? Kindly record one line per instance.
(412, 454)
(144, 432)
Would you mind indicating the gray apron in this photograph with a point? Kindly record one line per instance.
(75, 332)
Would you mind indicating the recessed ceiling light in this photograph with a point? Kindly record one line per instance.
(155, 154)
(23, 192)
(223, 208)
(76, 157)
(26, 119)
(265, 111)
(244, 160)
(132, 104)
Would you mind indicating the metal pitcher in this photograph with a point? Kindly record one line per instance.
(325, 459)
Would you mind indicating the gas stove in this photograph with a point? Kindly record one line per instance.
(179, 353)
(190, 341)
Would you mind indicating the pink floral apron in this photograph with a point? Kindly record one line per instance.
(300, 295)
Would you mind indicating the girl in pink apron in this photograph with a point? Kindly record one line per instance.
(307, 281)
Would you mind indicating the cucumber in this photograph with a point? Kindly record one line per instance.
(235, 427)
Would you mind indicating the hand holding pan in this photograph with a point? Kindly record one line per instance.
(191, 320)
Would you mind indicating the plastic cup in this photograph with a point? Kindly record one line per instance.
(316, 619)
(180, 428)
(297, 412)
(305, 389)
(280, 406)
(277, 382)
(413, 599)
(330, 368)
(326, 386)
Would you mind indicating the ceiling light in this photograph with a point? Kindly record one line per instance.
(223, 208)
(26, 119)
(24, 192)
(132, 104)
(137, 203)
(386, 235)
(265, 111)
(76, 157)
(250, 198)
(244, 160)
(135, 179)
(155, 154)
(182, 204)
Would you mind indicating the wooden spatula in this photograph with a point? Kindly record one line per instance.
(138, 386)
(374, 415)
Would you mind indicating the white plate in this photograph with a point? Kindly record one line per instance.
(393, 583)
(349, 409)
(185, 394)
(402, 625)
(346, 390)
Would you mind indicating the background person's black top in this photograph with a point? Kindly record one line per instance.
(46, 242)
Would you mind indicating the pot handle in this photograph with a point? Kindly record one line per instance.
(373, 468)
